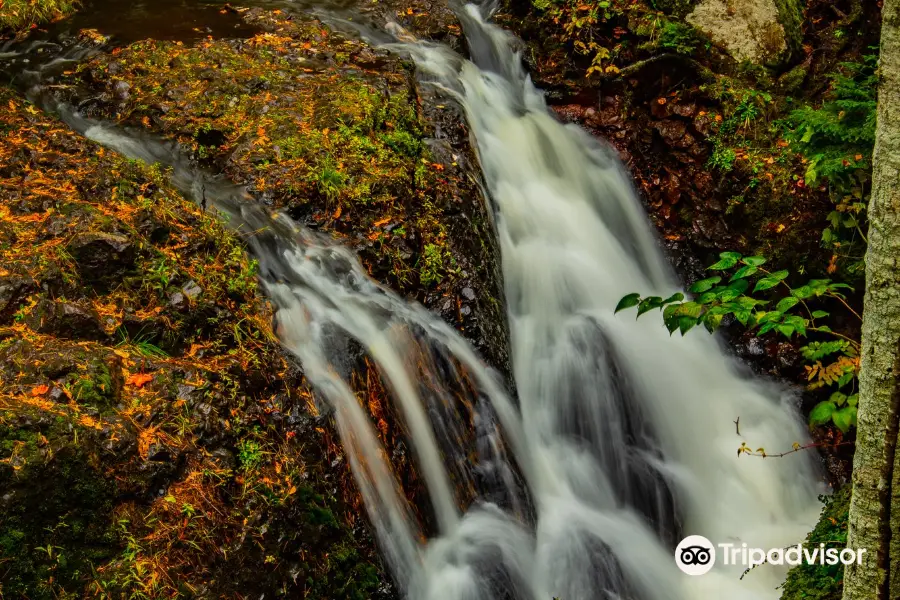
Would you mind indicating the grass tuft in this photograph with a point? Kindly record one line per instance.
(18, 15)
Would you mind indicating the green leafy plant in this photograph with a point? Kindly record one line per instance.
(433, 264)
(250, 454)
(578, 21)
(743, 111)
(784, 310)
(329, 179)
(837, 140)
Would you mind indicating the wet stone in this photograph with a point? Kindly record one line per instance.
(185, 391)
(755, 347)
(12, 290)
(121, 90)
(674, 133)
(787, 355)
(191, 290)
(159, 453)
(177, 300)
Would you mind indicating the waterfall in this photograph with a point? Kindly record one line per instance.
(620, 440)
(630, 442)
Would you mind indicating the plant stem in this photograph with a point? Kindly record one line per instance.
(844, 302)
(835, 333)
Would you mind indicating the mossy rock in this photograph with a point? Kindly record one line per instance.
(790, 15)
(765, 32)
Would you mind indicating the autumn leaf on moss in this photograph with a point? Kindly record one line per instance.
(40, 390)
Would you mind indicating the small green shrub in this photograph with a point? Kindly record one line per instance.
(432, 265)
(822, 582)
(837, 140)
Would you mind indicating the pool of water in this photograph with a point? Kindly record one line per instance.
(184, 20)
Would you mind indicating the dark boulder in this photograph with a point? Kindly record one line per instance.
(102, 257)
(66, 320)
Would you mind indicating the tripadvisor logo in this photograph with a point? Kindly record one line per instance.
(696, 555)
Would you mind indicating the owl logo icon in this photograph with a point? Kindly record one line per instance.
(695, 555)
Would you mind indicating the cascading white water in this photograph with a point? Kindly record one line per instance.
(629, 433)
(622, 436)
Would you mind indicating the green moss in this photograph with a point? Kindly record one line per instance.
(315, 507)
(790, 15)
(359, 580)
(822, 582)
(677, 8)
(667, 35)
(792, 81)
(94, 389)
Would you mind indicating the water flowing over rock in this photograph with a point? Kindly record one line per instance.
(578, 485)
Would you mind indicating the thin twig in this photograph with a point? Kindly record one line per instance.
(798, 449)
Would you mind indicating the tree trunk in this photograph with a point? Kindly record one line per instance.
(875, 506)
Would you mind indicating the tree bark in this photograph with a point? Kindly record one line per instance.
(876, 485)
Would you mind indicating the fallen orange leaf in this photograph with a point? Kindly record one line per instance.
(40, 390)
(138, 379)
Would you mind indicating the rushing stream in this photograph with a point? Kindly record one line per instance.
(620, 440)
